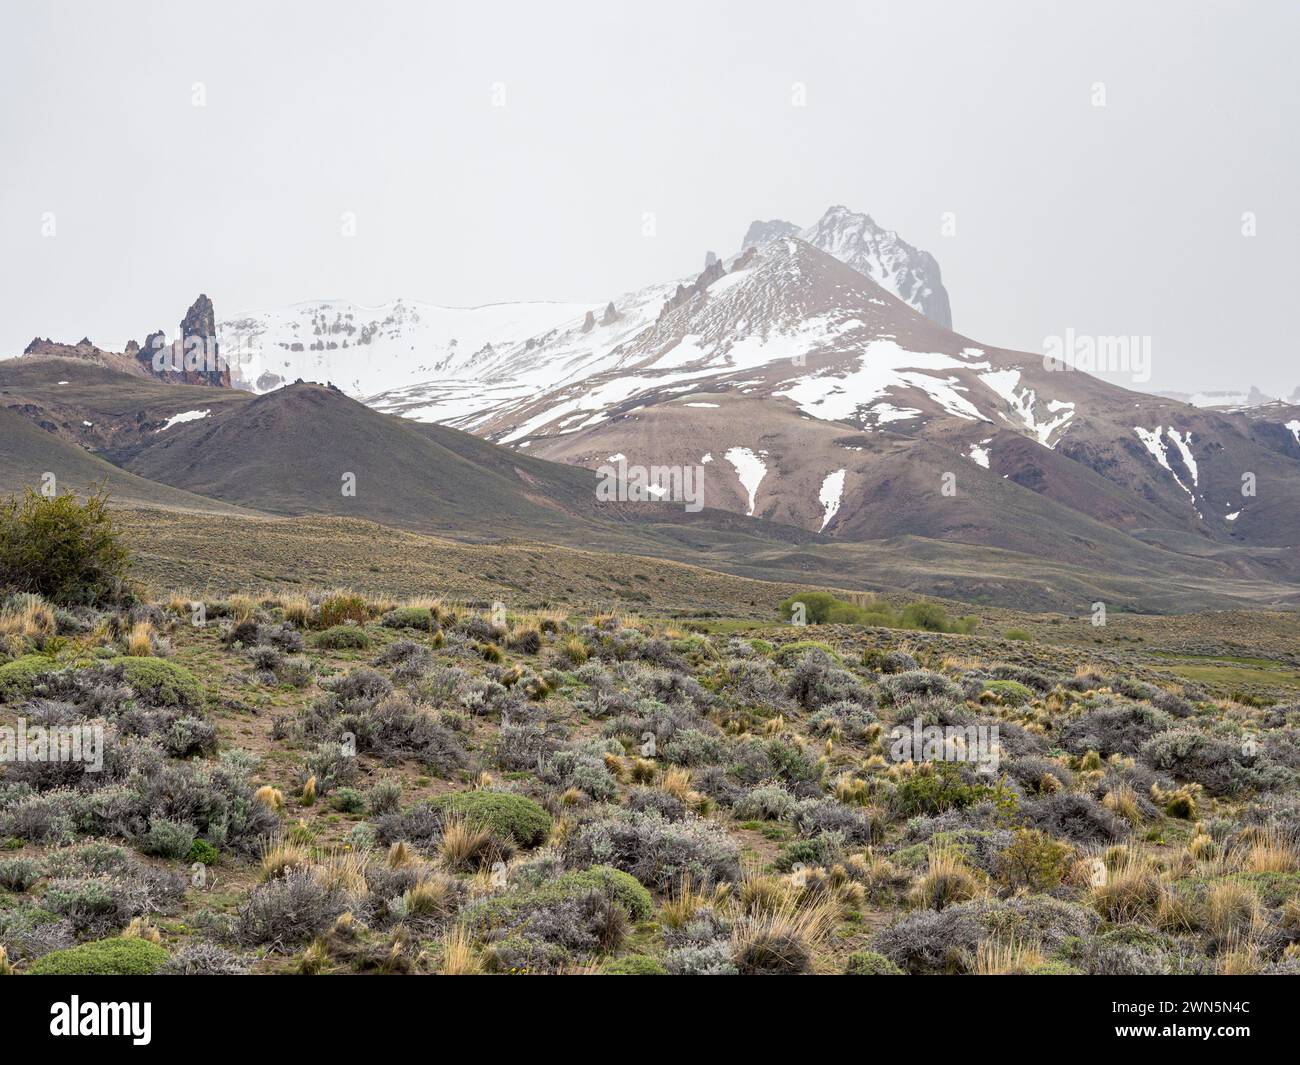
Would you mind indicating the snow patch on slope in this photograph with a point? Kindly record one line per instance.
(1154, 442)
(750, 469)
(830, 496)
(1023, 401)
(183, 417)
(882, 367)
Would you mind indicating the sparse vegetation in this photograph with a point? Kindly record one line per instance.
(628, 795)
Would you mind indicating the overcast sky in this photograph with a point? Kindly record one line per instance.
(1122, 219)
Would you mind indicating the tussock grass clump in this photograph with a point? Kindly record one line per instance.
(341, 608)
(947, 879)
(1130, 891)
(458, 955)
(780, 941)
(1010, 958)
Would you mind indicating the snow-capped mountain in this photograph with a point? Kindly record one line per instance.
(811, 396)
(881, 254)
(809, 378)
(1230, 398)
(442, 363)
(368, 349)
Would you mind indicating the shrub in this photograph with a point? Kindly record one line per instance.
(105, 957)
(511, 817)
(18, 874)
(1034, 860)
(159, 682)
(702, 959)
(629, 891)
(1220, 767)
(817, 605)
(97, 905)
(409, 617)
(65, 550)
(578, 913)
(200, 958)
(767, 802)
(869, 963)
(658, 852)
(348, 801)
(1017, 634)
(342, 607)
(203, 852)
(343, 638)
(289, 910)
(1010, 692)
(946, 941)
(18, 678)
(1077, 818)
(817, 681)
(1114, 728)
(634, 965)
(935, 787)
(902, 687)
(168, 839)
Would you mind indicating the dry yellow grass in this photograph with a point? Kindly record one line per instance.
(297, 609)
(142, 928)
(1009, 958)
(431, 895)
(1270, 851)
(1130, 888)
(280, 857)
(242, 607)
(344, 869)
(1123, 802)
(458, 955)
(31, 617)
(139, 644)
(270, 797)
(784, 932)
(465, 844)
(677, 782)
(947, 879)
(1231, 913)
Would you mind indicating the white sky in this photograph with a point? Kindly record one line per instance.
(1117, 220)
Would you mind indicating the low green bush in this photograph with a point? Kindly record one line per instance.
(343, 638)
(870, 963)
(409, 617)
(626, 888)
(1011, 692)
(509, 816)
(822, 608)
(634, 965)
(17, 678)
(160, 682)
(104, 957)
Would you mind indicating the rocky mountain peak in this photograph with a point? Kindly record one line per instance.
(882, 255)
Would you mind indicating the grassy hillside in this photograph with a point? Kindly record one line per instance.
(27, 452)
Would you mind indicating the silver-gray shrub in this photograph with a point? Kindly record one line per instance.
(656, 851)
